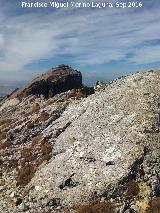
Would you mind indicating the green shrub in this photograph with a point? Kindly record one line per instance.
(87, 90)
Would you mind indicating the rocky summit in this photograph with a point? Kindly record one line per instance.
(64, 149)
(54, 81)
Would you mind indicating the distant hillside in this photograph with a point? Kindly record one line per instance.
(6, 87)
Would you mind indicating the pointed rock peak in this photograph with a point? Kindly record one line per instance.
(56, 80)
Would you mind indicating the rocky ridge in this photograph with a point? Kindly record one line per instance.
(52, 82)
(72, 153)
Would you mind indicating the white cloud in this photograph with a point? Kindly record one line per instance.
(146, 54)
(1, 40)
(91, 37)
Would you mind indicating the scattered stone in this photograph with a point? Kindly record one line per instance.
(76, 149)
(23, 207)
(12, 195)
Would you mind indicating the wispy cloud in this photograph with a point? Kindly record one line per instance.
(146, 54)
(87, 36)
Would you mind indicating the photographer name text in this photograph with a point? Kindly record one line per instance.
(72, 4)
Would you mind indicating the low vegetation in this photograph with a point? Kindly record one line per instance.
(5, 145)
(96, 207)
(2, 135)
(154, 205)
(132, 189)
(50, 101)
(35, 108)
(31, 158)
(30, 125)
(5, 122)
(44, 116)
(87, 90)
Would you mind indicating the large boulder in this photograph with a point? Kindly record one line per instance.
(54, 81)
(112, 139)
(91, 154)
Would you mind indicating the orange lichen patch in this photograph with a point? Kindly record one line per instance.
(142, 198)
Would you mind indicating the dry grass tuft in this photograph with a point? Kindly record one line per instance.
(142, 200)
(96, 207)
(36, 140)
(3, 135)
(5, 145)
(30, 125)
(43, 116)
(154, 206)
(50, 102)
(5, 122)
(132, 189)
(35, 108)
(31, 158)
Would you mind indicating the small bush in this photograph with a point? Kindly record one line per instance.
(75, 94)
(132, 189)
(35, 108)
(36, 140)
(96, 207)
(5, 122)
(30, 125)
(31, 158)
(87, 90)
(44, 116)
(154, 205)
(5, 145)
(25, 174)
(2, 135)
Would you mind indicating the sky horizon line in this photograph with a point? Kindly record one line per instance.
(103, 43)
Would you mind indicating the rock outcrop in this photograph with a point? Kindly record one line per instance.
(69, 154)
(54, 81)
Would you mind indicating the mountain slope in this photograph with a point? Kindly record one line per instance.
(52, 82)
(61, 153)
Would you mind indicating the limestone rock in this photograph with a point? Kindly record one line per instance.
(54, 81)
(77, 152)
(116, 125)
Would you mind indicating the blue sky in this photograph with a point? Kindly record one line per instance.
(102, 43)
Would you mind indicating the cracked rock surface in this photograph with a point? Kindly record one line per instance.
(104, 147)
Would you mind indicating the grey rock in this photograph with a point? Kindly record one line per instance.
(56, 80)
(128, 211)
(88, 149)
(23, 207)
(107, 126)
(135, 208)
